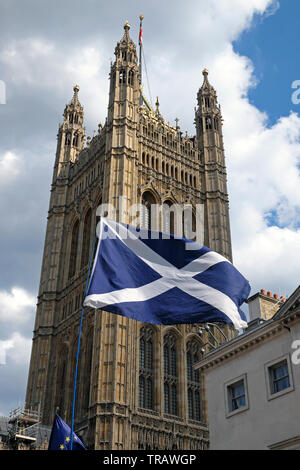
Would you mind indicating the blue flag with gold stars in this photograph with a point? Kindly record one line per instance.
(60, 438)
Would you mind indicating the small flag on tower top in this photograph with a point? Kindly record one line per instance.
(141, 31)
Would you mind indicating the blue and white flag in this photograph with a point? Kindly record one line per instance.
(154, 278)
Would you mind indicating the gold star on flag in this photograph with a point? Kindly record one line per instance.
(67, 439)
(61, 447)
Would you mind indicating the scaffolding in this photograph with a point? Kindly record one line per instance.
(26, 431)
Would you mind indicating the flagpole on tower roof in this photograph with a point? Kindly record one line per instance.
(140, 47)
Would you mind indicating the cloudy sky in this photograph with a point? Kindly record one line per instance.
(251, 50)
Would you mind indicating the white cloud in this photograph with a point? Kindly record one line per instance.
(18, 349)
(16, 306)
(10, 167)
(41, 64)
(264, 179)
(4, 346)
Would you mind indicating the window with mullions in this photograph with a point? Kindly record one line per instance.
(193, 381)
(146, 371)
(237, 396)
(170, 375)
(148, 201)
(73, 251)
(279, 377)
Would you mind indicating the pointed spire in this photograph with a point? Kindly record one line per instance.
(157, 106)
(205, 73)
(126, 27)
(75, 96)
(206, 84)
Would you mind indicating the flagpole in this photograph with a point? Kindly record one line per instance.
(140, 57)
(78, 345)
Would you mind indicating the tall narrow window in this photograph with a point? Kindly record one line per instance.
(61, 378)
(75, 140)
(168, 217)
(188, 223)
(193, 381)
(68, 138)
(207, 102)
(130, 77)
(146, 372)
(170, 375)
(146, 217)
(208, 123)
(122, 76)
(86, 239)
(87, 372)
(73, 252)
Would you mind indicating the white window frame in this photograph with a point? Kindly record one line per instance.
(227, 385)
(269, 365)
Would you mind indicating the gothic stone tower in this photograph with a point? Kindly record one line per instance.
(136, 386)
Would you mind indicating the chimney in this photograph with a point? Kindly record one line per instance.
(264, 305)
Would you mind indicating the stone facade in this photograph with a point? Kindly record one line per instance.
(136, 388)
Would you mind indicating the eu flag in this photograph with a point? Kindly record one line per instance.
(60, 438)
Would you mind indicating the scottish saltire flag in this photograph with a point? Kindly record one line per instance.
(60, 438)
(142, 275)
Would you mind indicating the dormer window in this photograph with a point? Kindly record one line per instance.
(124, 55)
(71, 118)
(76, 118)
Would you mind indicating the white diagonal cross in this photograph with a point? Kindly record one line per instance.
(171, 277)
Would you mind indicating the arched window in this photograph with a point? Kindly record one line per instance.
(62, 362)
(73, 252)
(122, 76)
(168, 217)
(193, 355)
(188, 223)
(130, 77)
(75, 140)
(143, 158)
(208, 123)
(146, 369)
(87, 372)
(216, 122)
(68, 138)
(86, 239)
(146, 217)
(170, 374)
